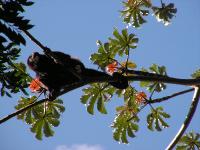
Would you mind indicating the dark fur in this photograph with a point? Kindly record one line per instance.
(67, 70)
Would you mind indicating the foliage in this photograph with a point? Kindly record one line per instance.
(134, 11)
(155, 119)
(155, 86)
(12, 75)
(97, 92)
(196, 74)
(120, 44)
(125, 122)
(122, 126)
(190, 141)
(165, 13)
(42, 117)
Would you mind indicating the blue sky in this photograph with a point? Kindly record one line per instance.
(73, 27)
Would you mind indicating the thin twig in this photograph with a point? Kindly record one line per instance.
(187, 120)
(21, 111)
(159, 100)
(35, 40)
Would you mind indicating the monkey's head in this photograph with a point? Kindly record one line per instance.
(38, 62)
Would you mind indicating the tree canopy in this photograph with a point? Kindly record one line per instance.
(43, 115)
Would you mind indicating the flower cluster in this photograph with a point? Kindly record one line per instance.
(36, 86)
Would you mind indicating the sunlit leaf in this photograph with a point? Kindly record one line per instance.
(156, 119)
(190, 141)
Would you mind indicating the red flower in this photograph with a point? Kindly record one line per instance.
(36, 86)
(140, 97)
(112, 67)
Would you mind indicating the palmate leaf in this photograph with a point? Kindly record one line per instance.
(134, 12)
(104, 55)
(190, 141)
(155, 86)
(155, 120)
(42, 117)
(122, 43)
(125, 123)
(165, 13)
(97, 93)
(123, 127)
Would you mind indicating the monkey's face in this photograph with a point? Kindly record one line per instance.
(33, 61)
(38, 62)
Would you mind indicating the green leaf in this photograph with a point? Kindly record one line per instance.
(37, 128)
(47, 129)
(85, 98)
(101, 106)
(190, 141)
(155, 119)
(155, 86)
(54, 122)
(122, 126)
(165, 13)
(122, 43)
(196, 74)
(134, 12)
(97, 92)
(41, 117)
(130, 132)
(90, 107)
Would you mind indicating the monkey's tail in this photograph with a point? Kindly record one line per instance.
(120, 83)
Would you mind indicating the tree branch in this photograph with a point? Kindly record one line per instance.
(159, 100)
(164, 79)
(32, 38)
(65, 90)
(21, 110)
(188, 119)
(141, 76)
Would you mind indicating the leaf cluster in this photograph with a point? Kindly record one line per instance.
(190, 141)
(123, 127)
(196, 74)
(42, 117)
(120, 44)
(165, 13)
(156, 119)
(12, 75)
(11, 22)
(155, 86)
(98, 93)
(134, 12)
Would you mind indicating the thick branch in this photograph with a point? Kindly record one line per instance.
(103, 79)
(165, 79)
(140, 75)
(65, 90)
(159, 100)
(188, 119)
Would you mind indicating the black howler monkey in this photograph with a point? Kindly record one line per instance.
(57, 73)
